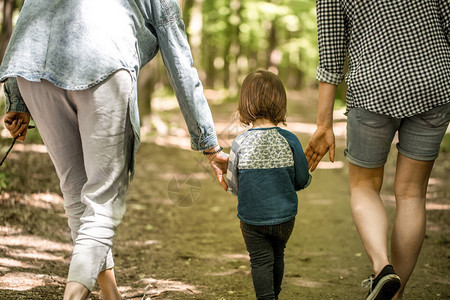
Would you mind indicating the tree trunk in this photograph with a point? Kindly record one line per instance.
(148, 77)
(232, 49)
(195, 28)
(187, 11)
(271, 61)
(7, 26)
(210, 69)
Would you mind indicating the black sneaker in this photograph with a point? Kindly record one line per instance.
(384, 286)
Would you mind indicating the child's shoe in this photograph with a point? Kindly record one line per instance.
(384, 286)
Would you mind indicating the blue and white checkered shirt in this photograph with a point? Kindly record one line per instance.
(398, 51)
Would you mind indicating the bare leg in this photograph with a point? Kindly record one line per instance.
(107, 282)
(411, 181)
(75, 291)
(369, 213)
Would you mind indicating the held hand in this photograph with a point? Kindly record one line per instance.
(320, 143)
(219, 165)
(17, 124)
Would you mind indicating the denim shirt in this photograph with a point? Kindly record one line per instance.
(78, 44)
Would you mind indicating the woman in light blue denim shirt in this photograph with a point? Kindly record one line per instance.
(74, 66)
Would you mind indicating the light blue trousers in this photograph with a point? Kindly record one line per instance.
(89, 137)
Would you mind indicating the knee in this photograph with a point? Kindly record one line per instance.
(74, 210)
(73, 206)
(71, 185)
(278, 253)
(409, 192)
(365, 180)
(261, 258)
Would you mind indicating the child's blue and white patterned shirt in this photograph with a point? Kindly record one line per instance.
(265, 169)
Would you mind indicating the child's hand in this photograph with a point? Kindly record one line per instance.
(219, 165)
(17, 124)
(320, 143)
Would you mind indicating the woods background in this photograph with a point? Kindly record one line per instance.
(229, 39)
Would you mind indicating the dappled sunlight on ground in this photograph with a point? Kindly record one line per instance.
(237, 256)
(143, 243)
(38, 200)
(24, 147)
(152, 288)
(12, 263)
(437, 206)
(34, 254)
(156, 287)
(330, 165)
(29, 252)
(10, 230)
(175, 141)
(241, 270)
(390, 200)
(303, 282)
(21, 281)
(29, 241)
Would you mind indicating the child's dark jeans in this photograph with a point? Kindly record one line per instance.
(266, 244)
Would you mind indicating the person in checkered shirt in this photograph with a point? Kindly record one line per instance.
(398, 82)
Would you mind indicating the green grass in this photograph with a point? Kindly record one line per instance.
(445, 145)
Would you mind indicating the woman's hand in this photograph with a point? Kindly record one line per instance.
(321, 142)
(219, 165)
(17, 124)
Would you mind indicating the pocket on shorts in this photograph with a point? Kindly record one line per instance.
(436, 117)
(371, 119)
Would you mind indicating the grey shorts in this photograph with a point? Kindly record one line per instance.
(370, 135)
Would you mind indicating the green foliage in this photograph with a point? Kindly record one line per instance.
(3, 181)
(2, 102)
(231, 38)
(445, 145)
(252, 34)
(33, 136)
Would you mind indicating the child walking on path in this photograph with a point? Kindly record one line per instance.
(266, 168)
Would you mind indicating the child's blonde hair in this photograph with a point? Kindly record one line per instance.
(262, 96)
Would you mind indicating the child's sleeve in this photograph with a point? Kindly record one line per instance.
(302, 177)
(232, 172)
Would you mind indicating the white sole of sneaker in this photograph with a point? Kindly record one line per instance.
(386, 288)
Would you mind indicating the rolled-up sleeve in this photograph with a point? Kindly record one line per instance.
(444, 9)
(14, 100)
(332, 41)
(177, 57)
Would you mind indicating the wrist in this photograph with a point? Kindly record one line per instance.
(211, 153)
(325, 126)
(213, 150)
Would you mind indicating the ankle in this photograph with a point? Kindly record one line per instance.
(399, 295)
(377, 268)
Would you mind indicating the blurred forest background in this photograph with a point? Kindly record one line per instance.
(229, 39)
(161, 243)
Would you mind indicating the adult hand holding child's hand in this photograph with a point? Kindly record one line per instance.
(219, 163)
(320, 143)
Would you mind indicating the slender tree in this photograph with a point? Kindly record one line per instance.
(7, 25)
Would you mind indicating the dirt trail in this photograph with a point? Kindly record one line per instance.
(180, 238)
